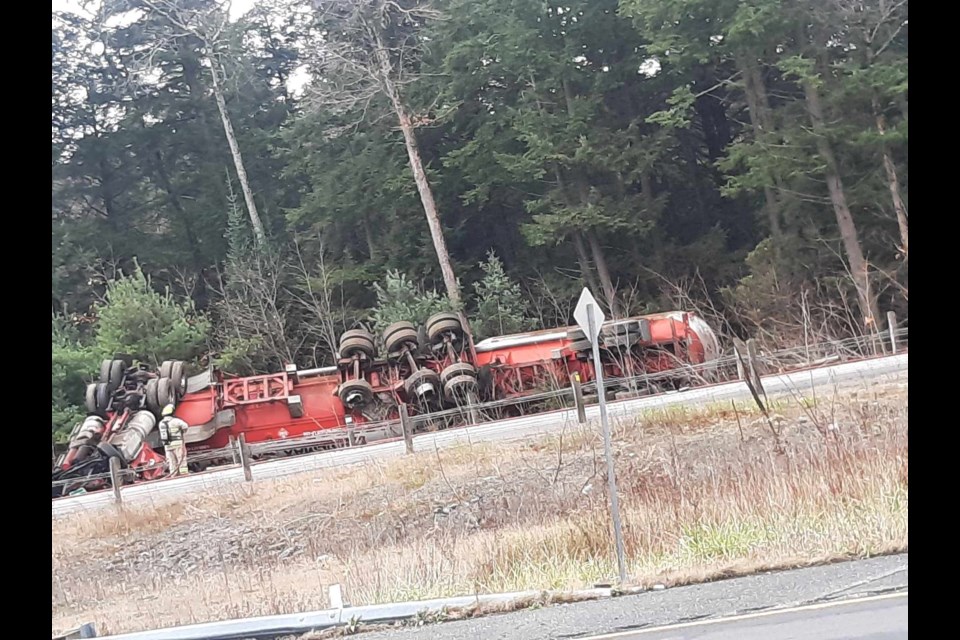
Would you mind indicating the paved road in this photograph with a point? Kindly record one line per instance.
(833, 602)
(874, 618)
(863, 373)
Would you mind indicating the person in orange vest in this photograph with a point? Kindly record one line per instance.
(172, 432)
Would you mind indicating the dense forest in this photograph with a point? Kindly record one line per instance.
(240, 191)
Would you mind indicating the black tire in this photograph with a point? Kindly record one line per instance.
(166, 392)
(460, 385)
(165, 367)
(105, 371)
(440, 323)
(457, 369)
(91, 398)
(178, 375)
(102, 394)
(153, 401)
(357, 342)
(355, 394)
(399, 334)
(117, 372)
(420, 377)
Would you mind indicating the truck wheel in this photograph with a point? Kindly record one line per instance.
(423, 385)
(457, 369)
(105, 371)
(399, 334)
(356, 342)
(153, 400)
(355, 394)
(91, 398)
(444, 322)
(179, 378)
(166, 392)
(102, 394)
(117, 372)
(457, 389)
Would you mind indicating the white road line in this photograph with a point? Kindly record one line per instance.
(746, 616)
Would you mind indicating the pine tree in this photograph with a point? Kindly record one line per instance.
(501, 308)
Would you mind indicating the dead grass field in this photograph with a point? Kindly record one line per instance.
(704, 493)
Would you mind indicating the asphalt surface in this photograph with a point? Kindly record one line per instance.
(851, 374)
(875, 618)
(833, 602)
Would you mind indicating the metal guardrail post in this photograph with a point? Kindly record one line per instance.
(245, 458)
(115, 480)
(406, 425)
(578, 397)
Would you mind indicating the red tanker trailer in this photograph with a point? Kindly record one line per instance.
(421, 370)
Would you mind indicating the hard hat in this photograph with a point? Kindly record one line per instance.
(167, 410)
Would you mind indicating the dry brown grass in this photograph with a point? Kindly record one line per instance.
(704, 494)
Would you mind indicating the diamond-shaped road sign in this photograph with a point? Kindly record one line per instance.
(583, 319)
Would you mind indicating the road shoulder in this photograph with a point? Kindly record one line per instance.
(670, 606)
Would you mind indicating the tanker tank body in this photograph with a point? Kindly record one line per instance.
(299, 406)
(516, 365)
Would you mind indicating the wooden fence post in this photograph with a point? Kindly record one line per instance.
(753, 363)
(245, 458)
(406, 425)
(739, 353)
(578, 397)
(115, 480)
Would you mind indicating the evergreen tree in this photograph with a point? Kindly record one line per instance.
(501, 308)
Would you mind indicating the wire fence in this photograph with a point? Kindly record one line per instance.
(726, 368)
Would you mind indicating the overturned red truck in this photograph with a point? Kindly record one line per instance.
(426, 370)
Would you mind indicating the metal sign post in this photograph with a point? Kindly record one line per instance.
(590, 319)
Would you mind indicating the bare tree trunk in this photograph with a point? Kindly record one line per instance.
(848, 230)
(646, 190)
(584, 259)
(609, 291)
(429, 207)
(599, 261)
(759, 120)
(174, 199)
(368, 234)
(237, 157)
(893, 182)
(586, 271)
(420, 177)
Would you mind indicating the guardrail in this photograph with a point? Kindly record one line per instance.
(727, 368)
(83, 631)
(295, 624)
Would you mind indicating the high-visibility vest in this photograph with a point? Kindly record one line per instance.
(171, 429)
